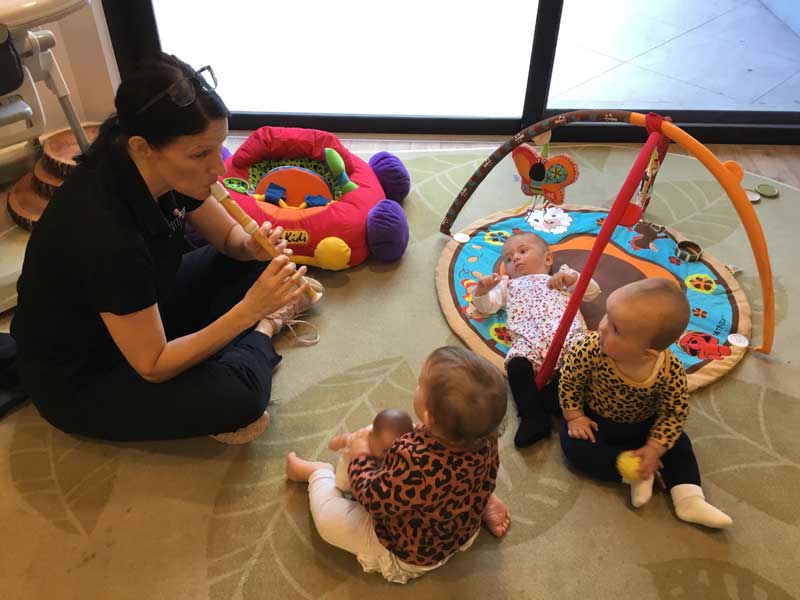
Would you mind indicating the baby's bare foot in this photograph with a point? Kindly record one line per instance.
(496, 516)
(299, 469)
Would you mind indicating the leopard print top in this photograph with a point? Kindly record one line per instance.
(592, 378)
(426, 498)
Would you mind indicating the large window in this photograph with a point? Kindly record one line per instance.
(728, 55)
(416, 58)
(725, 70)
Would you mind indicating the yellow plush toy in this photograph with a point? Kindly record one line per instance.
(628, 465)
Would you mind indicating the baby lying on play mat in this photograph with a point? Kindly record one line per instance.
(535, 302)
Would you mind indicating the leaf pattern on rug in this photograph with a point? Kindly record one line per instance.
(436, 181)
(746, 441)
(751, 285)
(700, 210)
(537, 487)
(68, 480)
(707, 578)
(594, 158)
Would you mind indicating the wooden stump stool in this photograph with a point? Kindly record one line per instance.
(29, 196)
(25, 204)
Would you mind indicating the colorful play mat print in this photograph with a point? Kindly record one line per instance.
(718, 305)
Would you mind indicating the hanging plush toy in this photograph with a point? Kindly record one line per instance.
(541, 174)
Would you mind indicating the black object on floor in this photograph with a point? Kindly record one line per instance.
(11, 393)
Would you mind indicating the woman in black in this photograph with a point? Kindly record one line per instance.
(122, 337)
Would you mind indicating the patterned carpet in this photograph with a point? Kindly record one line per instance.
(195, 520)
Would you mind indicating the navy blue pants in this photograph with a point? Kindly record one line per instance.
(223, 393)
(598, 459)
(531, 402)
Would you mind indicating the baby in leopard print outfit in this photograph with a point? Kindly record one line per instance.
(623, 389)
(535, 301)
(426, 499)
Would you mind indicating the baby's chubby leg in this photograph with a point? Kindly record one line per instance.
(299, 469)
(340, 522)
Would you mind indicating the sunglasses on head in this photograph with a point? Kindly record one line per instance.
(183, 92)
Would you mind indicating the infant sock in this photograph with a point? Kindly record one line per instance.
(641, 491)
(691, 506)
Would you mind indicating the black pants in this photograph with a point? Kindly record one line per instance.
(225, 392)
(531, 402)
(598, 459)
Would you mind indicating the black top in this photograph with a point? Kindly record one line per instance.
(102, 245)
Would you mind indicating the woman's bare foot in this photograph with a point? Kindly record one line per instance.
(496, 516)
(246, 434)
(299, 469)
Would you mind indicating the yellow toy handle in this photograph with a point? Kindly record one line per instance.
(250, 226)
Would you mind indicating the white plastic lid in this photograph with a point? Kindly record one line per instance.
(753, 196)
(461, 237)
(737, 339)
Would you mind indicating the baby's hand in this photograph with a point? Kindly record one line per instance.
(580, 428)
(562, 280)
(650, 455)
(358, 443)
(486, 283)
(338, 442)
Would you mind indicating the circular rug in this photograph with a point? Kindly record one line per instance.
(718, 305)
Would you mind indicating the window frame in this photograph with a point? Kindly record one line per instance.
(134, 35)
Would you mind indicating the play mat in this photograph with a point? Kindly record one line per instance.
(615, 246)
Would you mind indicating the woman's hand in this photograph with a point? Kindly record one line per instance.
(257, 251)
(279, 284)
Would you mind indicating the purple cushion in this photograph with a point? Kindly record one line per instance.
(387, 230)
(392, 174)
(225, 153)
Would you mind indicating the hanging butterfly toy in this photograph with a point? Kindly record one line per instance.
(543, 176)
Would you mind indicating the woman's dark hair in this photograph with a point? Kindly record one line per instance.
(160, 123)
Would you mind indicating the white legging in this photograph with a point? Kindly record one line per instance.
(347, 525)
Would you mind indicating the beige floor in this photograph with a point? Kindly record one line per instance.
(194, 520)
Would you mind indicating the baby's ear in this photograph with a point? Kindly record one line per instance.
(548, 259)
(427, 418)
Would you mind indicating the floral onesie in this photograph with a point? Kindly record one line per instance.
(534, 312)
